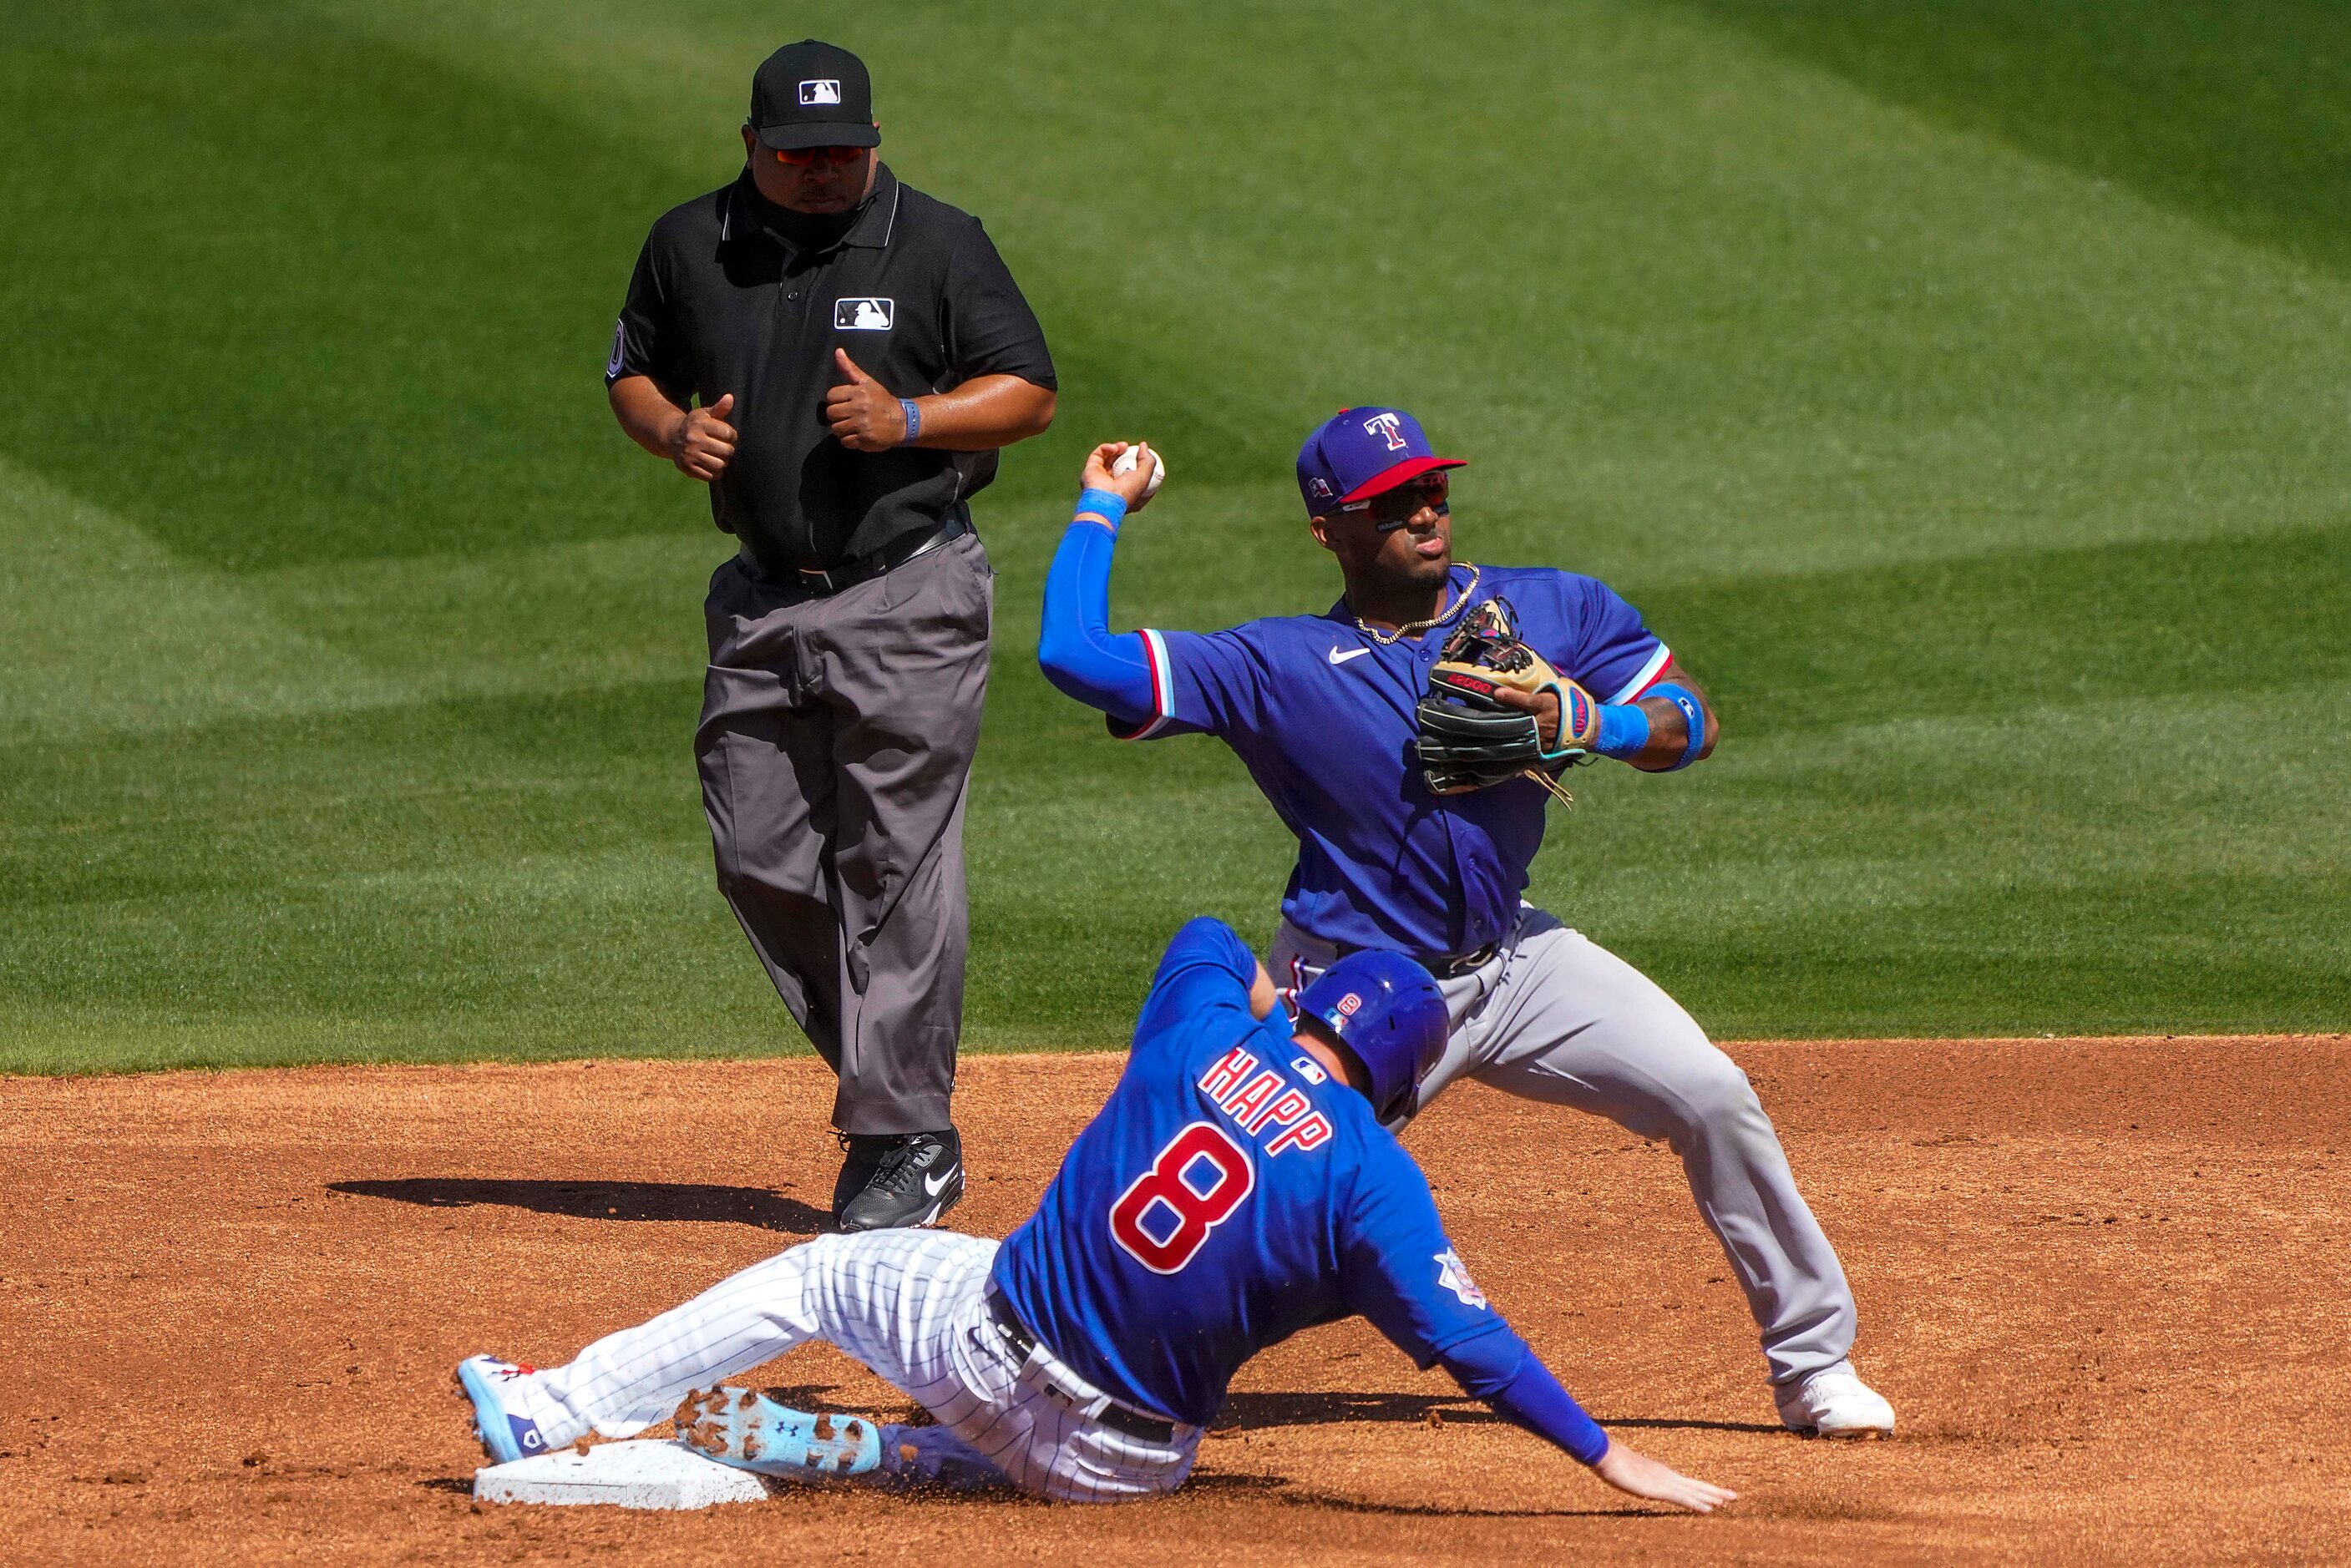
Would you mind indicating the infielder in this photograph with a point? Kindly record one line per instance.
(1236, 1188)
(1409, 736)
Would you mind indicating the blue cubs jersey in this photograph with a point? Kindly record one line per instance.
(1321, 713)
(1228, 1195)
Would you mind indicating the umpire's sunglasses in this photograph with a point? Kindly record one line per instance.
(1392, 509)
(802, 157)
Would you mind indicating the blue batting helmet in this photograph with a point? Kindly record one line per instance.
(1390, 1014)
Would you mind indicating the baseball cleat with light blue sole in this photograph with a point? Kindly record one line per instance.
(752, 1432)
(505, 1436)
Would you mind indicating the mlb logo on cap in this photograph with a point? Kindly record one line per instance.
(812, 94)
(1357, 454)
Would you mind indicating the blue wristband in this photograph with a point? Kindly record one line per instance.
(1624, 730)
(1693, 716)
(914, 420)
(1104, 505)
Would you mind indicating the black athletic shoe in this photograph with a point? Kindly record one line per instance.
(860, 1157)
(917, 1178)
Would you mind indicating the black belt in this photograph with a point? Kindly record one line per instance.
(824, 581)
(1443, 966)
(1118, 1418)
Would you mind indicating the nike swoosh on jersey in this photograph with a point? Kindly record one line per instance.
(934, 1185)
(1339, 657)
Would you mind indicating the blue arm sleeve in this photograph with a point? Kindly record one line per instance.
(1074, 644)
(1501, 1369)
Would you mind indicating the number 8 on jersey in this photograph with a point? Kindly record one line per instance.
(1202, 1151)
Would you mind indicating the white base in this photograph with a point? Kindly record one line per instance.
(642, 1473)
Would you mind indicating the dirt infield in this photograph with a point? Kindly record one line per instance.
(2104, 1283)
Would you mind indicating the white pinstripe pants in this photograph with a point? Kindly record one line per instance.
(913, 1306)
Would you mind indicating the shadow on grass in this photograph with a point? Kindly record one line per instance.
(757, 1206)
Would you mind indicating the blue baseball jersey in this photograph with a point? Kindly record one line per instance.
(1322, 715)
(1228, 1195)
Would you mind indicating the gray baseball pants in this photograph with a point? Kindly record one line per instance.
(835, 749)
(1555, 1016)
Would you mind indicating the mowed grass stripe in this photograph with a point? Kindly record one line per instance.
(2238, 114)
(106, 629)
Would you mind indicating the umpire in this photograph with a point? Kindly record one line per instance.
(857, 352)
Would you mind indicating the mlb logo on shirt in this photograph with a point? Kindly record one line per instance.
(827, 91)
(862, 314)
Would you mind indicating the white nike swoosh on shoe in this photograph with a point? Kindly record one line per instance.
(1339, 657)
(934, 1185)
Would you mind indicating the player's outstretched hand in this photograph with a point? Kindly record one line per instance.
(702, 443)
(1630, 1470)
(1128, 486)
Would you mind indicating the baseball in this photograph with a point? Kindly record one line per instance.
(1125, 464)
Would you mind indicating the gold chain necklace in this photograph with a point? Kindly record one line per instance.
(1390, 638)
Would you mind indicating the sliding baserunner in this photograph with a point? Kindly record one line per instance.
(1236, 1188)
(1412, 839)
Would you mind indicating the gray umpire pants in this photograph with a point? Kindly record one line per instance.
(1555, 1016)
(835, 749)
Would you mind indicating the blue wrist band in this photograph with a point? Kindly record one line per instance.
(1693, 715)
(1624, 730)
(1103, 504)
(914, 420)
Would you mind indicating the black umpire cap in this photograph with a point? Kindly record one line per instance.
(813, 94)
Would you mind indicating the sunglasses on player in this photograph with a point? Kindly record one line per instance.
(802, 157)
(1392, 509)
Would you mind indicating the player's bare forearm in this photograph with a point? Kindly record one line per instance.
(1669, 725)
(1663, 727)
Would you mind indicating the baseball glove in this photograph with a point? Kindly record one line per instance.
(1470, 739)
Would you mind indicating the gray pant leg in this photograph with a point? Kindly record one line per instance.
(1573, 1024)
(851, 884)
(1562, 1020)
(764, 748)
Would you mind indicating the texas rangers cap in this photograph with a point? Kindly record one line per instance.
(1358, 453)
(813, 94)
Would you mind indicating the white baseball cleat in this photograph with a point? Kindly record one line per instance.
(1834, 1403)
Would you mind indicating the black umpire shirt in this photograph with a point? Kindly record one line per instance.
(734, 294)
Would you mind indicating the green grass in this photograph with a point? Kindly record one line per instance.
(1958, 388)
